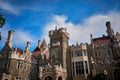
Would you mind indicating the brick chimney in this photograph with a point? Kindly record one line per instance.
(28, 47)
(10, 38)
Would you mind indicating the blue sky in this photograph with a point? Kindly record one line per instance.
(32, 19)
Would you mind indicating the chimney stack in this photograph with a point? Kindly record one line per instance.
(28, 47)
(108, 25)
(109, 31)
(10, 38)
(39, 43)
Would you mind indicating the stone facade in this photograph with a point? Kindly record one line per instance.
(15, 64)
(105, 54)
(79, 61)
(59, 61)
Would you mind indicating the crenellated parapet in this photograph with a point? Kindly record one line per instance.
(59, 31)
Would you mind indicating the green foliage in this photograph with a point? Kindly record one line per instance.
(2, 21)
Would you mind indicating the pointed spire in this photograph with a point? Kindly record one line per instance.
(43, 44)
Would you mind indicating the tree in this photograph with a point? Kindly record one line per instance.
(2, 22)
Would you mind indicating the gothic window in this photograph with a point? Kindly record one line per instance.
(18, 65)
(96, 53)
(108, 54)
(84, 52)
(86, 67)
(77, 53)
(73, 68)
(79, 67)
(18, 78)
(21, 65)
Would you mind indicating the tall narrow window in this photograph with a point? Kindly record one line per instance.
(108, 54)
(86, 67)
(79, 67)
(73, 68)
(18, 65)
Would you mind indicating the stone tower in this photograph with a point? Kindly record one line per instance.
(10, 37)
(109, 31)
(58, 46)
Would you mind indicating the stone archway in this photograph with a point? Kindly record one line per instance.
(48, 78)
(60, 78)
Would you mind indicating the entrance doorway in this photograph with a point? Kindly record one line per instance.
(60, 78)
(48, 78)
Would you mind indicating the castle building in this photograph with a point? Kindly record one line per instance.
(15, 64)
(105, 53)
(59, 61)
(79, 61)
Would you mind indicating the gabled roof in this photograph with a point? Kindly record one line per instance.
(102, 40)
(19, 50)
(36, 53)
(43, 43)
(37, 49)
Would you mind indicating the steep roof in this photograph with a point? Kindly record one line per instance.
(102, 40)
(19, 50)
(36, 53)
(37, 49)
(43, 43)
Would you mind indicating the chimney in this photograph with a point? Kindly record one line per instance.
(109, 31)
(10, 37)
(91, 38)
(39, 43)
(28, 47)
(108, 25)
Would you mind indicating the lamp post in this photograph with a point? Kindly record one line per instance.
(2, 22)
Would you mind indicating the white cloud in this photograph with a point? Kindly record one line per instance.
(20, 37)
(78, 32)
(4, 5)
(81, 32)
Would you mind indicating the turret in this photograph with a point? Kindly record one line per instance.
(10, 38)
(109, 31)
